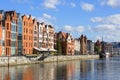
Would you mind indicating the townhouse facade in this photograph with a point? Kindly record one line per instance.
(21, 34)
(20, 49)
(66, 42)
(8, 31)
(112, 48)
(90, 47)
(83, 44)
(77, 46)
(35, 33)
(27, 39)
(45, 37)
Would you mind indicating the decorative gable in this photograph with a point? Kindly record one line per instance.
(69, 38)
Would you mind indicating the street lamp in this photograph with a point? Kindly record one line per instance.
(8, 60)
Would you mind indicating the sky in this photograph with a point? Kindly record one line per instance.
(93, 18)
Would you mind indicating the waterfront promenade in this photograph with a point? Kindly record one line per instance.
(5, 61)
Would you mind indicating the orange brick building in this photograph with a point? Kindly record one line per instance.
(67, 43)
(20, 34)
(8, 32)
(0, 34)
(27, 38)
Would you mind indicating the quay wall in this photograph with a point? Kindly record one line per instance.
(21, 60)
(67, 58)
(5, 61)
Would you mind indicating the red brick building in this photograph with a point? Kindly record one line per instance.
(66, 42)
(27, 39)
(8, 32)
(83, 44)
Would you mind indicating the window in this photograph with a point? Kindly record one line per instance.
(35, 38)
(26, 44)
(8, 34)
(26, 30)
(35, 44)
(13, 43)
(24, 23)
(35, 32)
(7, 26)
(35, 27)
(3, 43)
(7, 42)
(14, 28)
(13, 50)
(24, 37)
(13, 35)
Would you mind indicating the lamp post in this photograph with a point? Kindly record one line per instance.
(8, 61)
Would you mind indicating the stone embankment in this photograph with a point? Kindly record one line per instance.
(21, 60)
(67, 58)
(5, 61)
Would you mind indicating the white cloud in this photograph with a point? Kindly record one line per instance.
(51, 4)
(68, 28)
(109, 27)
(47, 16)
(87, 6)
(112, 19)
(72, 4)
(104, 28)
(96, 19)
(112, 3)
(73, 29)
(79, 29)
(47, 19)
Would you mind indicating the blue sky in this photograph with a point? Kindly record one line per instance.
(93, 18)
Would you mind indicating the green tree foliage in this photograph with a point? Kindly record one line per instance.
(59, 50)
(97, 49)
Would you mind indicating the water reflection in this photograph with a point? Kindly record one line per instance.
(70, 70)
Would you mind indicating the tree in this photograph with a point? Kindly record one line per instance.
(97, 49)
(59, 48)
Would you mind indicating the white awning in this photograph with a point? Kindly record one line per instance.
(53, 50)
(41, 49)
(45, 49)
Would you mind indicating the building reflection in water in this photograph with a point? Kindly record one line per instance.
(66, 70)
(27, 74)
(83, 69)
(69, 70)
(7, 75)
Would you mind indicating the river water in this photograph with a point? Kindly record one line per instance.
(100, 69)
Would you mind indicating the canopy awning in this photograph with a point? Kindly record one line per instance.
(44, 49)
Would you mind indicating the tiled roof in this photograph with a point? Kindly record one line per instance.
(64, 34)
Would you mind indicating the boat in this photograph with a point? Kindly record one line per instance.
(107, 55)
